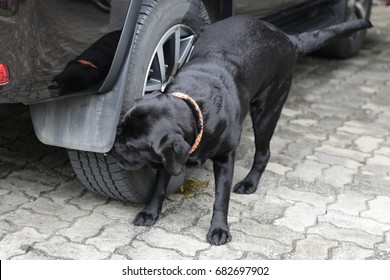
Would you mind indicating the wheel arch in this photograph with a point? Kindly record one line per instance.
(220, 9)
(89, 122)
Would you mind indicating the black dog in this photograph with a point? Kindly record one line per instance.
(90, 67)
(238, 65)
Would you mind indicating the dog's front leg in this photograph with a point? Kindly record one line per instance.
(223, 174)
(149, 215)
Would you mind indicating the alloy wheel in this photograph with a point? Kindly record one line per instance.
(358, 9)
(171, 53)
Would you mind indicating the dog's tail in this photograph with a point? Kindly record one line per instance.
(309, 42)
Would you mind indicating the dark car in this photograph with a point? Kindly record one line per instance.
(39, 38)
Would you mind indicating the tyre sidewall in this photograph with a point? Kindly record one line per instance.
(150, 30)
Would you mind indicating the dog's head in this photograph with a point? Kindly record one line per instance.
(150, 137)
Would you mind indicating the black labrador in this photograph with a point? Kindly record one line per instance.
(238, 65)
(89, 68)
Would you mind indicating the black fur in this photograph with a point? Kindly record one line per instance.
(238, 65)
(77, 77)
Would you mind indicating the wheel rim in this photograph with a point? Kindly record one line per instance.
(357, 9)
(171, 53)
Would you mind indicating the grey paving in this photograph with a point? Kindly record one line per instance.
(325, 194)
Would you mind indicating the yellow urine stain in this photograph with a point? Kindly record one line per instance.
(189, 187)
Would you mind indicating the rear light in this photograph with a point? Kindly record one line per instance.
(4, 74)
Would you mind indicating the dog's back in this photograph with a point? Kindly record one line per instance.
(253, 50)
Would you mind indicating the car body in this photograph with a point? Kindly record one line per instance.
(39, 38)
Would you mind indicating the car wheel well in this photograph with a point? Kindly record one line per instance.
(218, 10)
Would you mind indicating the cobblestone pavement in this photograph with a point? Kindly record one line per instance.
(325, 194)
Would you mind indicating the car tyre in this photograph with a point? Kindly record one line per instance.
(158, 21)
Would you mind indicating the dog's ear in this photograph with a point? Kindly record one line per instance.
(173, 151)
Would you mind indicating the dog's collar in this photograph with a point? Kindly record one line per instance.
(86, 62)
(199, 115)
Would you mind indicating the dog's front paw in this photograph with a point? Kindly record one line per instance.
(244, 187)
(145, 219)
(219, 236)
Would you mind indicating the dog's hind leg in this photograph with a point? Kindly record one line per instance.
(265, 111)
(149, 215)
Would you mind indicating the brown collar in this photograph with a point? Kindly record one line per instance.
(86, 62)
(200, 123)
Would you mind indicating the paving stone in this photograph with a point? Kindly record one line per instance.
(161, 239)
(6, 168)
(268, 248)
(340, 140)
(253, 256)
(368, 144)
(50, 161)
(277, 168)
(314, 247)
(333, 160)
(4, 192)
(66, 191)
(305, 122)
(6, 228)
(384, 246)
(332, 232)
(379, 160)
(318, 187)
(342, 220)
(383, 151)
(88, 201)
(351, 203)
(65, 212)
(86, 227)
(12, 201)
(314, 137)
(32, 189)
(45, 224)
(116, 257)
(308, 171)
(141, 251)
(341, 152)
(45, 177)
(290, 112)
(19, 242)
(300, 149)
(33, 255)
(114, 236)
(300, 216)
(311, 198)
(265, 211)
(338, 176)
(187, 215)
(119, 210)
(362, 128)
(246, 199)
(59, 247)
(221, 253)
(348, 251)
(16, 158)
(379, 209)
(282, 234)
